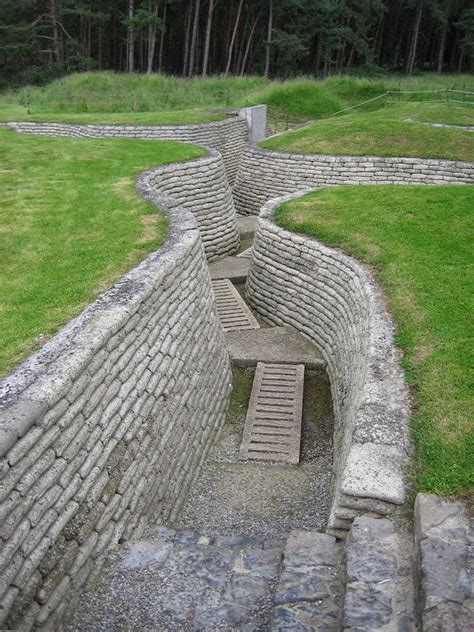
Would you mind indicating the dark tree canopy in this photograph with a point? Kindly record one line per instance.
(41, 39)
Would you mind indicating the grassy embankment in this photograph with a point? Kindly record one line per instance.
(419, 241)
(121, 98)
(386, 132)
(71, 222)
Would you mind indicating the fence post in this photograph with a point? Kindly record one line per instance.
(28, 111)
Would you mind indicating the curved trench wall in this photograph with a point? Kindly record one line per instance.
(201, 186)
(265, 174)
(228, 137)
(334, 302)
(104, 428)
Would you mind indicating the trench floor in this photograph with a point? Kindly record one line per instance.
(252, 498)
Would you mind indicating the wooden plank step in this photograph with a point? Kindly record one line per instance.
(233, 313)
(272, 430)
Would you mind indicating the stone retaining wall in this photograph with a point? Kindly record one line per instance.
(265, 174)
(333, 301)
(228, 137)
(104, 428)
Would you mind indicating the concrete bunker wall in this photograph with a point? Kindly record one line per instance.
(333, 301)
(104, 428)
(264, 174)
(228, 136)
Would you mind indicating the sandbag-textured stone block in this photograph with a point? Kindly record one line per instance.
(265, 174)
(334, 302)
(106, 425)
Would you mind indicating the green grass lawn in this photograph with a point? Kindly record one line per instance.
(71, 222)
(385, 133)
(419, 241)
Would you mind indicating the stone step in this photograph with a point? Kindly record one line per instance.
(274, 344)
(272, 430)
(309, 592)
(234, 268)
(233, 313)
(445, 556)
(184, 580)
(379, 583)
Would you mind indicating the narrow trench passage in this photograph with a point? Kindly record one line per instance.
(248, 550)
(255, 498)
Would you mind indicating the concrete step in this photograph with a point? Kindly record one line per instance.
(232, 310)
(275, 344)
(234, 268)
(309, 593)
(272, 430)
(379, 583)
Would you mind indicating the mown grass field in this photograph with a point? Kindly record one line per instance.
(386, 132)
(418, 240)
(71, 222)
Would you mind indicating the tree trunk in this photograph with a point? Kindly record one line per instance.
(192, 53)
(153, 8)
(414, 40)
(162, 37)
(351, 56)
(269, 41)
(317, 61)
(232, 39)
(130, 39)
(442, 47)
(187, 40)
(57, 44)
(99, 35)
(241, 44)
(247, 48)
(207, 39)
(379, 36)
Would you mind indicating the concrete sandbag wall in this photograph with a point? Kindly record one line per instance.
(104, 428)
(333, 301)
(201, 186)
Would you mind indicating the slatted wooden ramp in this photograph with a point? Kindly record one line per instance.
(233, 313)
(272, 430)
